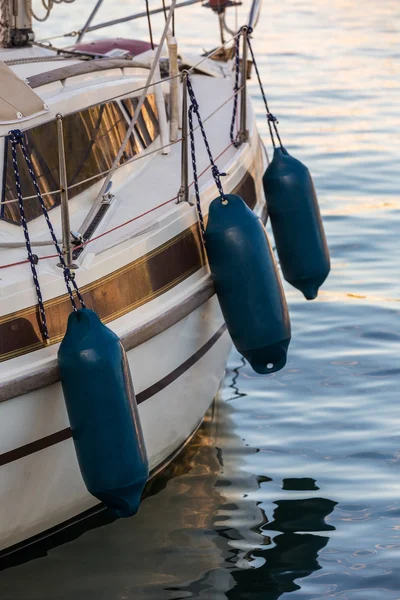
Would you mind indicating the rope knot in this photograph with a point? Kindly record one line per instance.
(249, 30)
(216, 173)
(194, 104)
(16, 136)
(271, 118)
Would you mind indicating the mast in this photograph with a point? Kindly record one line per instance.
(16, 23)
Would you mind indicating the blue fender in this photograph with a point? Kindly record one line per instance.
(296, 223)
(103, 414)
(247, 284)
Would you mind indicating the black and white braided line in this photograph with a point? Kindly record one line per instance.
(31, 257)
(272, 120)
(214, 169)
(234, 139)
(17, 135)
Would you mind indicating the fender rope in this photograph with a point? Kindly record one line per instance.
(194, 109)
(17, 138)
(234, 139)
(272, 120)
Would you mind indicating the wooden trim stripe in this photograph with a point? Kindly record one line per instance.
(121, 291)
(65, 434)
(82, 68)
(111, 297)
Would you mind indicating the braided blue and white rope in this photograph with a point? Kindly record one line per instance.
(234, 139)
(32, 258)
(272, 120)
(194, 109)
(195, 176)
(17, 138)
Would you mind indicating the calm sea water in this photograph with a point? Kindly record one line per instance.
(292, 487)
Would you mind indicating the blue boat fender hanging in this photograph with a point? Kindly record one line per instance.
(296, 223)
(247, 283)
(292, 208)
(103, 414)
(243, 269)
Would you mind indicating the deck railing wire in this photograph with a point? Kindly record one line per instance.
(144, 154)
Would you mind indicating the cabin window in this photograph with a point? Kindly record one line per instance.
(92, 139)
(147, 126)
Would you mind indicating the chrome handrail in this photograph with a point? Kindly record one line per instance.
(243, 133)
(65, 222)
(183, 194)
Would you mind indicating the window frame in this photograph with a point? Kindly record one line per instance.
(126, 119)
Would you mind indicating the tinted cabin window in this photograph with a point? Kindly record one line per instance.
(147, 127)
(92, 139)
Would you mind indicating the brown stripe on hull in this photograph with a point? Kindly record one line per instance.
(65, 434)
(36, 446)
(111, 297)
(171, 377)
(123, 290)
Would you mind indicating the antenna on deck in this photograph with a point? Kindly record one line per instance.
(16, 23)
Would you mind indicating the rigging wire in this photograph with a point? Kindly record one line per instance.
(149, 24)
(146, 154)
(97, 237)
(164, 9)
(124, 19)
(136, 64)
(48, 5)
(92, 15)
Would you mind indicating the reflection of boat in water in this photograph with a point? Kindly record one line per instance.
(302, 515)
(293, 556)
